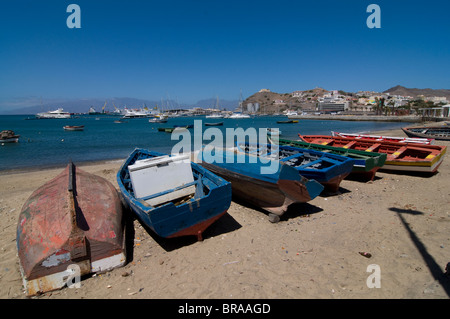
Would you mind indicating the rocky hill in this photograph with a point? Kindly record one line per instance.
(401, 90)
(272, 102)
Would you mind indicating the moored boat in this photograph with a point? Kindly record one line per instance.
(409, 157)
(74, 221)
(8, 136)
(239, 115)
(171, 195)
(429, 141)
(56, 114)
(268, 184)
(73, 127)
(430, 132)
(214, 124)
(287, 121)
(326, 168)
(366, 163)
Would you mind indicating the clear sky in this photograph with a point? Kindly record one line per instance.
(197, 49)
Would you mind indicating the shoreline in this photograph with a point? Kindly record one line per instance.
(313, 252)
(31, 169)
(371, 118)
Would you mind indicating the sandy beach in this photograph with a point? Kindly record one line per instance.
(402, 220)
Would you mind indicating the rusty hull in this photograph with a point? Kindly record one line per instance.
(76, 218)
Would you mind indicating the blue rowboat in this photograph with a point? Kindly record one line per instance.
(270, 185)
(366, 163)
(326, 168)
(171, 195)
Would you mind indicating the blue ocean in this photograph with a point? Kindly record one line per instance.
(44, 142)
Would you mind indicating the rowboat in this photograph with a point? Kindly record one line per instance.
(409, 157)
(326, 168)
(431, 132)
(287, 121)
(214, 124)
(73, 127)
(72, 225)
(429, 141)
(366, 163)
(268, 184)
(8, 136)
(171, 195)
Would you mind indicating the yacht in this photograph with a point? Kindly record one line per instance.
(239, 116)
(214, 116)
(57, 114)
(135, 113)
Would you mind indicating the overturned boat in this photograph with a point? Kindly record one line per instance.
(71, 226)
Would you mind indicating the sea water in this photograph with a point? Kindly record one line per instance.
(44, 142)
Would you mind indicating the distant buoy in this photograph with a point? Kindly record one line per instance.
(62, 140)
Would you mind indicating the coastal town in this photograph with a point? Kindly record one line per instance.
(398, 102)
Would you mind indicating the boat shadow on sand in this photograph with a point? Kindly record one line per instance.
(223, 225)
(294, 210)
(433, 266)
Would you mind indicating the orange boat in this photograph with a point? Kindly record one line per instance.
(410, 157)
(71, 226)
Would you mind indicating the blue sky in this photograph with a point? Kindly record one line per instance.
(197, 49)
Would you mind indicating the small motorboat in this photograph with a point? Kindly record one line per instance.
(74, 127)
(8, 136)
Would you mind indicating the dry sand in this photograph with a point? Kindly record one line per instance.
(402, 220)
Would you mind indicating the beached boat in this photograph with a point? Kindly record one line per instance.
(326, 168)
(429, 141)
(430, 132)
(287, 121)
(409, 157)
(74, 220)
(8, 136)
(366, 163)
(214, 124)
(171, 195)
(56, 114)
(73, 127)
(270, 185)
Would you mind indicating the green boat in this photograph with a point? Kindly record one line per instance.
(366, 163)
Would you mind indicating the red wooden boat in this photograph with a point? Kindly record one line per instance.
(73, 222)
(421, 140)
(400, 156)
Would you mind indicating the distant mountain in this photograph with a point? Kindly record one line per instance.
(83, 105)
(401, 90)
(223, 104)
